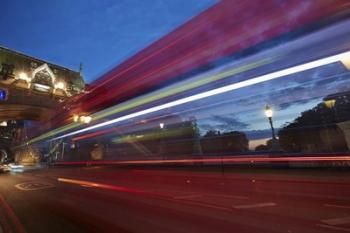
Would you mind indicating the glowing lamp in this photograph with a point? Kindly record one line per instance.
(85, 119)
(75, 118)
(330, 103)
(161, 125)
(60, 85)
(24, 76)
(268, 111)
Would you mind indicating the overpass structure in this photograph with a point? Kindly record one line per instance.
(32, 88)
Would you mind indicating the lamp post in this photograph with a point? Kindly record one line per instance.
(161, 125)
(82, 119)
(161, 150)
(269, 114)
(76, 118)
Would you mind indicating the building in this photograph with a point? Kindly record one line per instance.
(31, 88)
(22, 71)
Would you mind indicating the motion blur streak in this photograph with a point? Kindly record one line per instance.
(91, 135)
(235, 159)
(246, 83)
(158, 96)
(183, 88)
(109, 187)
(143, 60)
(230, 36)
(148, 136)
(224, 35)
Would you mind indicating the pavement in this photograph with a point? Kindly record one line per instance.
(136, 199)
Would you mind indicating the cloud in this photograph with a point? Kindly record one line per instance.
(228, 123)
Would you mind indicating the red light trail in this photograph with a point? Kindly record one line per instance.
(231, 159)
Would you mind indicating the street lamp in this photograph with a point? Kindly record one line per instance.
(82, 119)
(75, 118)
(161, 144)
(85, 119)
(161, 125)
(269, 114)
(330, 103)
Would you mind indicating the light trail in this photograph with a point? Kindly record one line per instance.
(153, 97)
(182, 88)
(147, 136)
(228, 159)
(85, 183)
(217, 91)
(212, 105)
(173, 43)
(273, 23)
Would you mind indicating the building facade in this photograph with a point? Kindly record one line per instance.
(30, 90)
(29, 73)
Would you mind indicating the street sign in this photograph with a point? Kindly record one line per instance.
(3, 94)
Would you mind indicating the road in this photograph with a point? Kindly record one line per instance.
(112, 199)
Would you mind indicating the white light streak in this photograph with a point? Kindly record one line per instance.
(221, 90)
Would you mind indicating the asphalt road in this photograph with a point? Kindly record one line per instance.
(109, 199)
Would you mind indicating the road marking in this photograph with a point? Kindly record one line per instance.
(338, 206)
(209, 195)
(202, 204)
(227, 196)
(31, 186)
(337, 221)
(188, 196)
(251, 206)
(334, 228)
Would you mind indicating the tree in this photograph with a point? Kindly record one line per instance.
(224, 143)
(316, 130)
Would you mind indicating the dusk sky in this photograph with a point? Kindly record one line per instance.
(100, 34)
